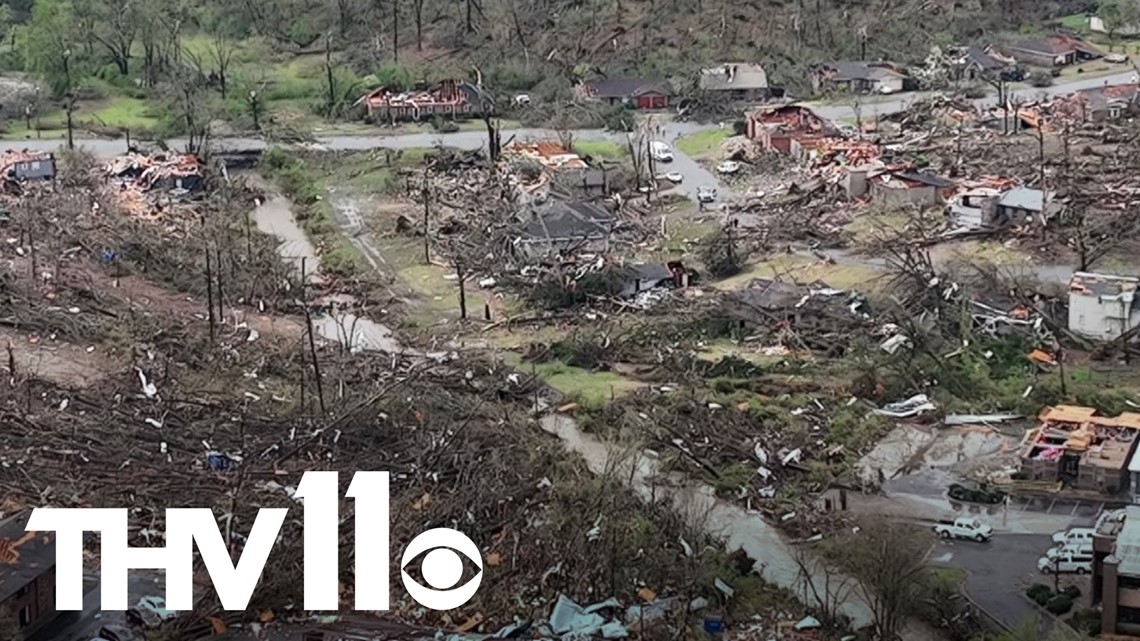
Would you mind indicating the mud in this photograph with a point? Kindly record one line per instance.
(61, 363)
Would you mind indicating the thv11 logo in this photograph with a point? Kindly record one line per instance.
(186, 527)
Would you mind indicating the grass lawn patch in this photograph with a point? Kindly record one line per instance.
(805, 270)
(122, 112)
(703, 143)
(600, 149)
(1076, 21)
(593, 389)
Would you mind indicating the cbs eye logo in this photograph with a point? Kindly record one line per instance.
(441, 568)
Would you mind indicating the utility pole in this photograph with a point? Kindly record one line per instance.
(70, 97)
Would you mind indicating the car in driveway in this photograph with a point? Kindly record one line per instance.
(1116, 58)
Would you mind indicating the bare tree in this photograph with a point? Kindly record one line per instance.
(888, 561)
(222, 50)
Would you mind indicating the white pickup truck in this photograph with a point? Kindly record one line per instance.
(963, 529)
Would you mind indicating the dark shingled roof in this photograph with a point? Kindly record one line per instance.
(23, 555)
(985, 61)
(559, 220)
(626, 87)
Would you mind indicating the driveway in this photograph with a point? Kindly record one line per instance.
(998, 574)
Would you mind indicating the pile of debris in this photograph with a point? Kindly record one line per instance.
(149, 184)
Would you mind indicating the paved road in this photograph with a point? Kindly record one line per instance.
(999, 573)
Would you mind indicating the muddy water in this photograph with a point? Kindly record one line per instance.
(775, 558)
(275, 217)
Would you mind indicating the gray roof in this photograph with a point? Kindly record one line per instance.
(860, 70)
(654, 271)
(1025, 198)
(1127, 548)
(34, 554)
(626, 87)
(986, 62)
(744, 76)
(560, 220)
(1093, 284)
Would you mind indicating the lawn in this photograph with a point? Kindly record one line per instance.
(604, 149)
(805, 270)
(589, 388)
(1078, 22)
(703, 142)
(121, 112)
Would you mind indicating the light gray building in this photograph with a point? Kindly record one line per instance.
(1103, 306)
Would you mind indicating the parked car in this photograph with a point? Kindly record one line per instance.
(660, 151)
(150, 612)
(674, 176)
(1083, 549)
(1073, 535)
(1067, 563)
(963, 528)
(1116, 58)
(706, 194)
(728, 167)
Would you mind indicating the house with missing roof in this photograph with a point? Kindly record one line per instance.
(860, 77)
(639, 93)
(1098, 104)
(1057, 50)
(1074, 446)
(1103, 306)
(910, 188)
(27, 573)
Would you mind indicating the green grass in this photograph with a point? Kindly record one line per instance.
(703, 142)
(806, 270)
(589, 388)
(600, 149)
(124, 113)
(1076, 21)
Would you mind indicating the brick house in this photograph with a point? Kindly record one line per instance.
(27, 573)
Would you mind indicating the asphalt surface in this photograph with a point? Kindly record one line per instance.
(998, 574)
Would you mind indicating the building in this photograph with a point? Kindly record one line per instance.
(1019, 206)
(909, 188)
(639, 93)
(556, 224)
(736, 81)
(1116, 570)
(789, 128)
(645, 277)
(24, 165)
(450, 98)
(1057, 50)
(1073, 446)
(27, 573)
(549, 154)
(974, 62)
(1101, 103)
(860, 77)
(1102, 306)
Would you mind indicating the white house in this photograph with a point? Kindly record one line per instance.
(1103, 306)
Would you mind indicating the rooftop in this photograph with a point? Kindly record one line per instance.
(625, 87)
(560, 220)
(978, 56)
(1102, 285)
(1127, 548)
(862, 70)
(23, 555)
(1023, 198)
(1057, 44)
(734, 75)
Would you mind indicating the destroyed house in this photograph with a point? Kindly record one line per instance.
(909, 188)
(22, 165)
(1103, 306)
(640, 278)
(1073, 446)
(1056, 50)
(1021, 205)
(775, 303)
(860, 77)
(450, 98)
(160, 171)
(639, 93)
(27, 573)
(736, 81)
(1101, 103)
(551, 155)
(790, 129)
(558, 224)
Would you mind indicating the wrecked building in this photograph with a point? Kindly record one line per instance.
(1055, 50)
(450, 98)
(858, 76)
(971, 63)
(26, 165)
(1099, 104)
(1103, 306)
(558, 225)
(1021, 205)
(789, 128)
(27, 573)
(549, 154)
(910, 189)
(1072, 445)
(642, 278)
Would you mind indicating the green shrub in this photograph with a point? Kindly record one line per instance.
(1059, 604)
(1073, 592)
(1039, 593)
(1086, 621)
(1040, 79)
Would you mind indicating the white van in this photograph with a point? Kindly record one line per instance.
(1066, 563)
(1081, 549)
(1073, 536)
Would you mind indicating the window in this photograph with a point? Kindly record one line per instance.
(25, 616)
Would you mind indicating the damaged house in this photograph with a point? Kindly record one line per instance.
(450, 98)
(26, 165)
(789, 129)
(737, 81)
(1072, 445)
(27, 573)
(639, 93)
(818, 315)
(972, 63)
(1101, 103)
(180, 172)
(910, 189)
(558, 225)
(642, 278)
(1057, 50)
(860, 77)
(1103, 306)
